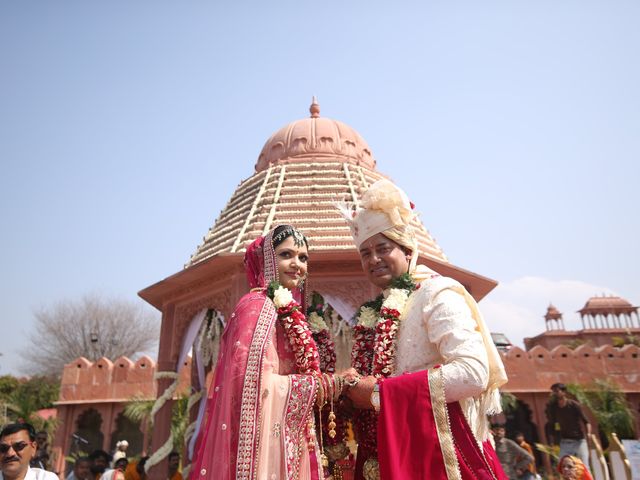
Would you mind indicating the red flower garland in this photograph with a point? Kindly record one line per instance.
(373, 353)
(302, 342)
(326, 351)
(362, 351)
(384, 354)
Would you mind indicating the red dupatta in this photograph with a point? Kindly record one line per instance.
(420, 436)
(229, 440)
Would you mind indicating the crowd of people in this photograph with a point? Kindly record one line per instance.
(24, 455)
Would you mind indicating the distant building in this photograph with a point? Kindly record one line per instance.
(606, 320)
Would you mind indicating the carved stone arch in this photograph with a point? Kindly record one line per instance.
(220, 301)
(125, 429)
(608, 352)
(562, 351)
(539, 353)
(88, 434)
(352, 291)
(520, 419)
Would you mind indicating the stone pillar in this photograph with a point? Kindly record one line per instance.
(162, 420)
(109, 426)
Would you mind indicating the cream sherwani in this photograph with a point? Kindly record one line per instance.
(441, 325)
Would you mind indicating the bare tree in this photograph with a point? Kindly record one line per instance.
(92, 327)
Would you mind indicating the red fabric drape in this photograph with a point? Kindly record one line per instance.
(408, 442)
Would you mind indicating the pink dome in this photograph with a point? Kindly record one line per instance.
(316, 137)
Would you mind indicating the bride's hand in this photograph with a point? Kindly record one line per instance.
(351, 378)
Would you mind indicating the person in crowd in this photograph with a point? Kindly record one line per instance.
(81, 469)
(573, 468)
(422, 351)
(17, 448)
(514, 459)
(121, 451)
(99, 463)
(135, 470)
(174, 464)
(117, 472)
(569, 423)
(522, 443)
(41, 458)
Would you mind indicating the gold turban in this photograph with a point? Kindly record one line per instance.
(386, 209)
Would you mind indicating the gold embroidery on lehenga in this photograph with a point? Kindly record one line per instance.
(248, 437)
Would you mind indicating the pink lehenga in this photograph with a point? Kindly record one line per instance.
(259, 422)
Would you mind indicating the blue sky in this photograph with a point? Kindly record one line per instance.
(125, 127)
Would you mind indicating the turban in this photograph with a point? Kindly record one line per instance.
(386, 209)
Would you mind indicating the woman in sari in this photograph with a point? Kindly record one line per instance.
(260, 422)
(572, 468)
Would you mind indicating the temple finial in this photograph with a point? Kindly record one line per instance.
(314, 109)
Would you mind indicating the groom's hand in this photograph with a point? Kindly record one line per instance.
(360, 395)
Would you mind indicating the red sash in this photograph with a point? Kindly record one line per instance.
(422, 437)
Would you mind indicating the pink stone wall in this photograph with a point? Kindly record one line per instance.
(107, 387)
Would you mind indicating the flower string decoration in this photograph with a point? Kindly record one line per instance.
(374, 348)
(296, 329)
(321, 334)
(333, 438)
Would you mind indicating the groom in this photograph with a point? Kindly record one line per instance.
(428, 370)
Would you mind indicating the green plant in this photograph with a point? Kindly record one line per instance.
(22, 398)
(573, 344)
(508, 401)
(552, 450)
(139, 410)
(620, 342)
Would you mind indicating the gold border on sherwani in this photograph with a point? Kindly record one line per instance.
(248, 438)
(443, 427)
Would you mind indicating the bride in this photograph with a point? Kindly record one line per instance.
(260, 421)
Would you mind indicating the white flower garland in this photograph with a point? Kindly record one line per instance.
(316, 322)
(368, 317)
(167, 447)
(396, 299)
(282, 297)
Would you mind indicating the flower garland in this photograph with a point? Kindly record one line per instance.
(377, 327)
(334, 445)
(374, 349)
(296, 329)
(321, 334)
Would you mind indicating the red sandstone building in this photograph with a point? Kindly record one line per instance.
(301, 171)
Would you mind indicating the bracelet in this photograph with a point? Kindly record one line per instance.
(320, 399)
(353, 382)
(340, 386)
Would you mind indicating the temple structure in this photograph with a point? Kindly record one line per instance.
(302, 170)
